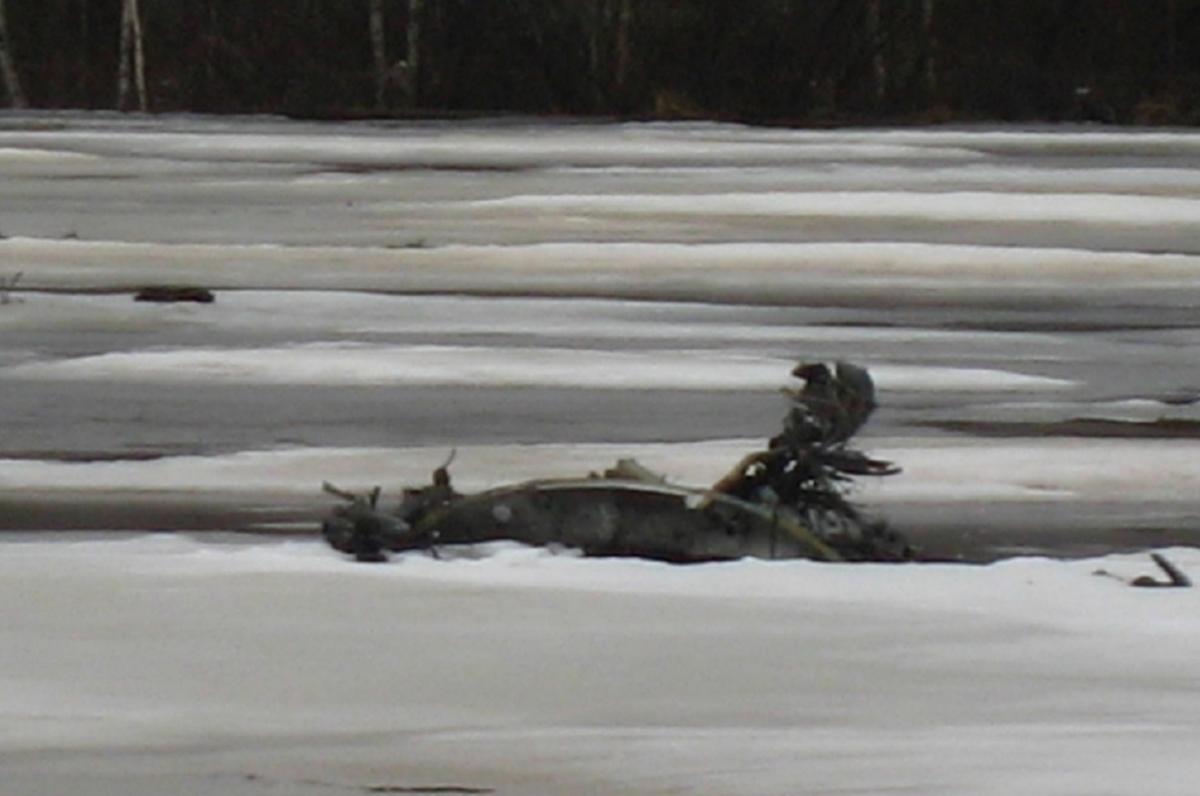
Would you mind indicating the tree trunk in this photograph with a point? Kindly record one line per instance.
(595, 18)
(875, 43)
(379, 52)
(84, 51)
(1171, 44)
(623, 51)
(139, 57)
(929, 45)
(8, 70)
(124, 57)
(413, 56)
(132, 57)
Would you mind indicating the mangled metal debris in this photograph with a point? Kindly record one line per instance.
(786, 501)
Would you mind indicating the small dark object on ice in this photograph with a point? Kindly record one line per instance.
(164, 294)
(1176, 578)
(787, 501)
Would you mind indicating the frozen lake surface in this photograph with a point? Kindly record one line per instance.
(546, 298)
(166, 665)
(409, 287)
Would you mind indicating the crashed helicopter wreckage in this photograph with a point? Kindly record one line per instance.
(787, 501)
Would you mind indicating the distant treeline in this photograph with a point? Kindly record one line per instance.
(783, 61)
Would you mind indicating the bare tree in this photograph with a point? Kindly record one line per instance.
(596, 19)
(609, 26)
(1171, 45)
(133, 57)
(412, 59)
(624, 47)
(875, 43)
(930, 46)
(404, 74)
(8, 70)
(378, 51)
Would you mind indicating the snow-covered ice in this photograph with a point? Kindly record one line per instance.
(954, 206)
(948, 470)
(547, 298)
(708, 270)
(161, 663)
(358, 363)
(1034, 275)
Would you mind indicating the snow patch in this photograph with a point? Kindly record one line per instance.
(1084, 470)
(952, 206)
(359, 363)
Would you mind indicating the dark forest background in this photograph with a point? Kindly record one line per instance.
(778, 61)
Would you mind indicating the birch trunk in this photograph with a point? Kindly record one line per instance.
(123, 57)
(8, 70)
(131, 72)
(139, 57)
(379, 52)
